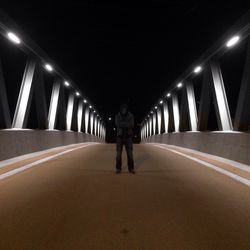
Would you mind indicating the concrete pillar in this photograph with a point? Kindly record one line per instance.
(86, 118)
(221, 98)
(24, 98)
(159, 119)
(53, 104)
(166, 117)
(176, 113)
(150, 125)
(154, 123)
(91, 122)
(192, 111)
(79, 116)
(70, 108)
(95, 122)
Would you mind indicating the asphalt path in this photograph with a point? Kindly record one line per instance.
(76, 201)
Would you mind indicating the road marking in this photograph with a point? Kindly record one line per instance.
(30, 165)
(209, 165)
(16, 159)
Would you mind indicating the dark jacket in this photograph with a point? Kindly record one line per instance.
(124, 124)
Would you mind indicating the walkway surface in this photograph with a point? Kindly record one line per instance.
(76, 201)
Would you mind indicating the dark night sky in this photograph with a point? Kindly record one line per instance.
(125, 53)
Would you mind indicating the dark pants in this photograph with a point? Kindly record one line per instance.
(127, 141)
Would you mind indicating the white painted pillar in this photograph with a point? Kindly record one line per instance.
(22, 109)
(159, 119)
(70, 108)
(221, 98)
(150, 125)
(147, 131)
(86, 118)
(95, 121)
(191, 106)
(79, 116)
(166, 116)
(154, 123)
(53, 105)
(91, 122)
(176, 112)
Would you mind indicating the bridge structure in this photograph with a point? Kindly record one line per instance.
(58, 185)
(43, 111)
(207, 107)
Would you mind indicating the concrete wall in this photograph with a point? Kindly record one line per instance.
(18, 142)
(231, 145)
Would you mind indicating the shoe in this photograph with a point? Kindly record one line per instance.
(132, 171)
(118, 171)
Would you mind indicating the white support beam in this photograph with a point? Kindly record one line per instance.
(221, 98)
(86, 118)
(154, 123)
(166, 117)
(147, 133)
(191, 106)
(95, 122)
(176, 112)
(79, 116)
(53, 105)
(91, 122)
(159, 119)
(22, 107)
(70, 109)
(150, 125)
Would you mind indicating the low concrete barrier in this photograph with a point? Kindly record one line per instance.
(231, 145)
(19, 142)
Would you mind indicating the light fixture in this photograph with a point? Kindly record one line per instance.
(168, 94)
(161, 101)
(197, 69)
(148, 116)
(85, 101)
(94, 111)
(151, 112)
(90, 107)
(156, 107)
(77, 93)
(48, 67)
(14, 38)
(232, 41)
(66, 83)
(109, 118)
(179, 85)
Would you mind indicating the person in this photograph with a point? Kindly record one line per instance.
(124, 122)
